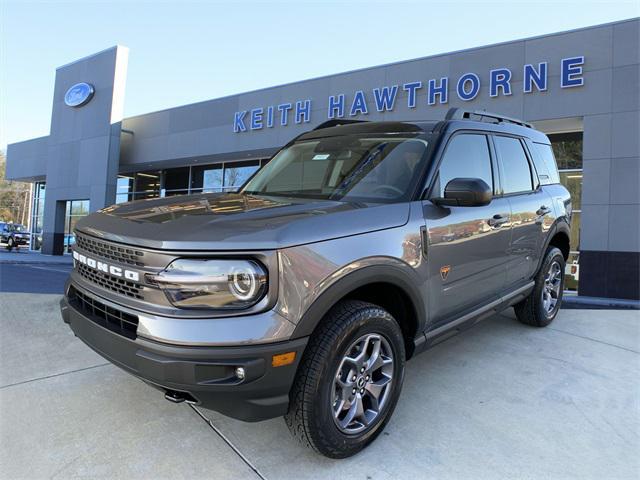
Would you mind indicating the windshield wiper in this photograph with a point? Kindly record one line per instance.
(355, 173)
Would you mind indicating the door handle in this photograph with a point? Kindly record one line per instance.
(543, 210)
(497, 220)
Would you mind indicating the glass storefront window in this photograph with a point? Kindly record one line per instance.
(206, 179)
(236, 174)
(147, 185)
(176, 181)
(567, 148)
(37, 213)
(572, 179)
(76, 209)
(219, 177)
(124, 188)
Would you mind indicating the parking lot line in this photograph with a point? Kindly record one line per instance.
(228, 442)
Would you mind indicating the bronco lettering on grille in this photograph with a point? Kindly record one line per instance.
(106, 268)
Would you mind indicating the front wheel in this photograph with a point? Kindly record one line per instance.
(10, 244)
(542, 305)
(349, 380)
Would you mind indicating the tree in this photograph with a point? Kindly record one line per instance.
(14, 197)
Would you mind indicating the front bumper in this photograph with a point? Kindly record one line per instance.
(203, 375)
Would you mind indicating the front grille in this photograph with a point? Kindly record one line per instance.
(115, 320)
(121, 254)
(118, 285)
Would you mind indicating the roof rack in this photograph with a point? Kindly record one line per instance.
(336, 122)
(462, 114)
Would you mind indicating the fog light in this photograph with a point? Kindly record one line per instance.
(240, 373)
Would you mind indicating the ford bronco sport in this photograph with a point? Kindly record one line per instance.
(357, 246)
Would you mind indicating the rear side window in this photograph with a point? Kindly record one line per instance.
(545, 163)
(466, 156)
(516, 171)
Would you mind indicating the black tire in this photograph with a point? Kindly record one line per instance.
(311, 409)
(10, 244)
(532, 310)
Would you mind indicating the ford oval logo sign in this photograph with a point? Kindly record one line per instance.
(79, 94)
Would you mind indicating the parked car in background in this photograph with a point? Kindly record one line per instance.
(13, 235)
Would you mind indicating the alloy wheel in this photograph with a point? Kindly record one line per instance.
(363, 383)
(551, 288)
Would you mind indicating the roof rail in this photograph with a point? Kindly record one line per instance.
(462, 114)
(336, 122)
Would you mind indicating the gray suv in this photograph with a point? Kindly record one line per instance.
(359, 245)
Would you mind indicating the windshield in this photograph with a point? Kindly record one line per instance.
(19, 228)
(349, 168)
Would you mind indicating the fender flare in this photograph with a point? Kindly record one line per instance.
(559, 226)
(394, 275)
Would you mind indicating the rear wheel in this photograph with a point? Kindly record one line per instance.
(349, 380)
(542, 305)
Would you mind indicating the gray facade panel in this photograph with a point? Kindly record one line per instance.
(624, 234)
(31, 159)
(482, 60)
(626, 88)
(594, 97)
(595, 232)
(624, 134)
(626, 43)
(595, 43)
(597, 137)
(595, 183)
(625, 182)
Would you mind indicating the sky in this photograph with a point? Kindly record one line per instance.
(183, 51)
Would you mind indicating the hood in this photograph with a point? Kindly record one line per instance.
(235, 221)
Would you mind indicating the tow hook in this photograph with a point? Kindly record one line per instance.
(179, 397)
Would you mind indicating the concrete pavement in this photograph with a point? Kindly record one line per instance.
(500, 401)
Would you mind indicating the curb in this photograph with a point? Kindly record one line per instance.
(598, 303)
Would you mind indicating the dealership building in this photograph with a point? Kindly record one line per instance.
(580, 87)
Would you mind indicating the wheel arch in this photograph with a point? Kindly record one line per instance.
(560, 236)
(389, 287)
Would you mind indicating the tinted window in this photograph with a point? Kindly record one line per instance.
(545, 163)
(515, 166)
(466, 156)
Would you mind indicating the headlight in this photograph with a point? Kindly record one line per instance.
(212, 284)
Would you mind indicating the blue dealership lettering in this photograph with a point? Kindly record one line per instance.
(284, 108)
(303, 111)
(464, 93)
(270, 117)
(256, 118)
(571, 72)
(499, 78)
(537, 77)
(359, 104)
(439, 90)
(411, 88)
(238, 122)
(385, 98)
(336, 106)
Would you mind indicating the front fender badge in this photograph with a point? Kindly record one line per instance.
(444, 271)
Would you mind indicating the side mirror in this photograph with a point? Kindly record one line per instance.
(465, 192)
